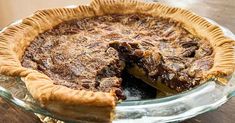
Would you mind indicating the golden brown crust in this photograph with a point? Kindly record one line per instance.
(46, 91)
(224, 61)
(14, 40)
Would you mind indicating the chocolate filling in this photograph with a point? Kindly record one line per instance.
(92, 53)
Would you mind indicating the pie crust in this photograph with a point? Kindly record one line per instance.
(98, 106)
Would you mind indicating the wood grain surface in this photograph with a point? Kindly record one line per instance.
(11, 114)
(222, 11)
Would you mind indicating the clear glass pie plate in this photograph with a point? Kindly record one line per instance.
(205, 97)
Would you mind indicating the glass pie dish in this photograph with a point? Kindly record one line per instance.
(179, 107)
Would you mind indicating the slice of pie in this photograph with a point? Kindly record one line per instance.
(71, 59)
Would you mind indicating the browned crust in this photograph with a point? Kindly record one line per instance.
(14, 40)
(224, 60)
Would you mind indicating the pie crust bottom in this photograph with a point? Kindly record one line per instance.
(82, 113)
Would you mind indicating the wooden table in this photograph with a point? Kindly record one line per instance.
(12, 114)
(222, 11)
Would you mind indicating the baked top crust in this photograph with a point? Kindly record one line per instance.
(74, 54)
(15, 39)
(80, 54)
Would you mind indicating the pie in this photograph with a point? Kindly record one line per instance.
(71, 59)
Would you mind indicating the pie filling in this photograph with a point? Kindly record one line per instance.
(92, 53)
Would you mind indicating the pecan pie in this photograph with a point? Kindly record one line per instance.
(71, 59)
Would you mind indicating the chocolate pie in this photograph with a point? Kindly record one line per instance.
(71, 59)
